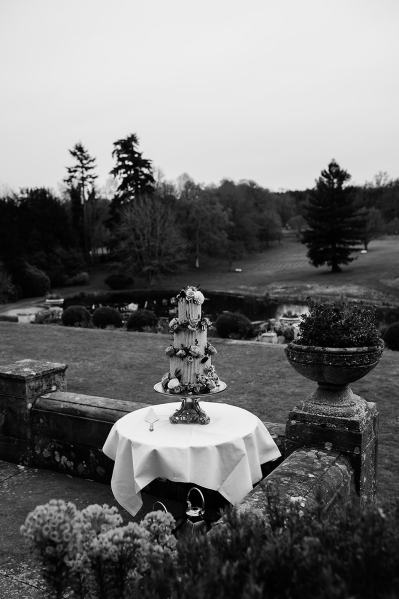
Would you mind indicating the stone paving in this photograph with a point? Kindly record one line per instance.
(21, 490)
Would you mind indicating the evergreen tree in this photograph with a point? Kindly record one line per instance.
(81, 175)
(133, 173)
(80, 185)
(335, 224)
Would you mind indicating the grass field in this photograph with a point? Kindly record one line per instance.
(284, 270)
(127, 365)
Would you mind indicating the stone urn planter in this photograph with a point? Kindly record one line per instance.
(333, 368)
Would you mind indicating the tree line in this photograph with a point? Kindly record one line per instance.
(149, 226)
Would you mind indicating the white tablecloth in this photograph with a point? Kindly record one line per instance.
(224, 455)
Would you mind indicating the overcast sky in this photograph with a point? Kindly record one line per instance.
(268, 90)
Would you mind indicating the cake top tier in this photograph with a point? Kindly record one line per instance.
(189, 302)
(191, 294)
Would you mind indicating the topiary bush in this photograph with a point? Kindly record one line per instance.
(234, 325)
(76, 316)
(105, 316)
(391, 336)
(119, 281)
(142, 319)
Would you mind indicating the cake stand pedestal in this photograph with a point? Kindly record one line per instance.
(190, 412)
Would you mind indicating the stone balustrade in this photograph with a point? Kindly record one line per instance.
(325, 458)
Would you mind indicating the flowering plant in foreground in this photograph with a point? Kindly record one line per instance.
(279, 552)
(90, 554)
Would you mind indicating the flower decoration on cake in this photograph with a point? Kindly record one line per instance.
(191, 294)
(189, 353)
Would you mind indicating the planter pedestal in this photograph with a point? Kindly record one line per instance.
(333, 418)
(354, 436)
(334, 400)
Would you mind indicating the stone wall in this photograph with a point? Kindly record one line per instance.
(43, 425)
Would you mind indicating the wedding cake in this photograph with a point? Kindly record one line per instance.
(190, 354)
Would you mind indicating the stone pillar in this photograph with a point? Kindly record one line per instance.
(353, 434)
(21, 383)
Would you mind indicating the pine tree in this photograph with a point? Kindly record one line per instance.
(335, 224)
(133, 173)
(81, 175)
(80, 185)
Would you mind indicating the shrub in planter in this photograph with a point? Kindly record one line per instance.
(76, 316)
(105, 316)
(339, 324)
(338, 344)
(391, 336)
(119, 281)
(234, 325)
(142, 319)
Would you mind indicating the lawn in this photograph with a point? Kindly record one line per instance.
(127, 365)
(284, 270)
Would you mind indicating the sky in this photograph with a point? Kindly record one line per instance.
(266, 90)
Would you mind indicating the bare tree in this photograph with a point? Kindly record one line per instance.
(150, 241)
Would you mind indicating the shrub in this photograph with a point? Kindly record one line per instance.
(391, 336)
(288, 333)
(48, 316)
(31, 280)
(8, 291)
(61, 265)
(76, 316)
(80, 278)
(142, 319)
(338, 324)
(89, 553)
(119, 281)
(8, 318)
(234, 325)
(289, 554)
(105, 316)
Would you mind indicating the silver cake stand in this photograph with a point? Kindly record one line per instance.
(190, 411)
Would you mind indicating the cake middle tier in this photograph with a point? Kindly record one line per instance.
(192, 365)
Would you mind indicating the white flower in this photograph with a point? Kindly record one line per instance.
(198, 297)
(173, 383)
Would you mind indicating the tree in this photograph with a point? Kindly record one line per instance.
(204, 221)
(335, 224)
(80, 185)
(149, 240)
(96, 215)
(373, 226)
(81, 174)
(298, 224)
(133, 172)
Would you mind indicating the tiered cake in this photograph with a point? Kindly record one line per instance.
(191, 370)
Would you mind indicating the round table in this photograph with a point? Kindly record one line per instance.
(224, 455)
